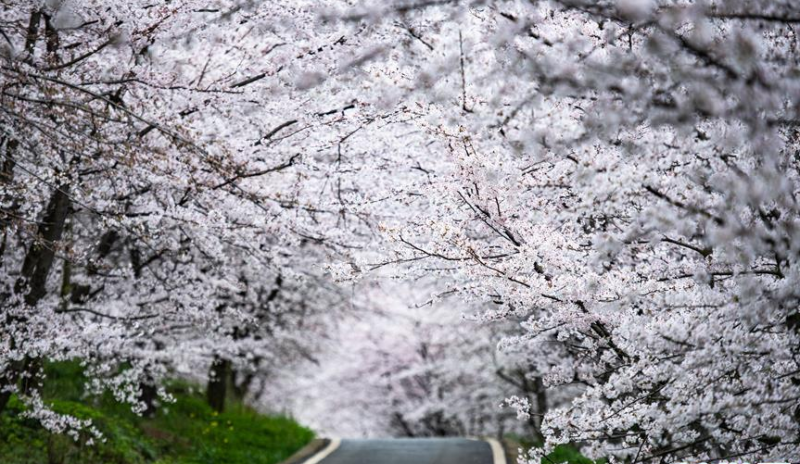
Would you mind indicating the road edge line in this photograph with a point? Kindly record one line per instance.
(325, 452)
(498, 453)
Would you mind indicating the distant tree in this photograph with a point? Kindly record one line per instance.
(400, 367)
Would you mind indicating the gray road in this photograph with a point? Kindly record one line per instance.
(411, 451)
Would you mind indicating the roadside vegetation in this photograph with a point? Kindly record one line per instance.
(562, 454)
(186, 431)
(570, 455)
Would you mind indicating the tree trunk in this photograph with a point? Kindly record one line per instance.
(8, 378)
(33, 32)
(541, 405)
(148, 396)
(31, 375)
(33, 278)
(39, 259)
(7, 165)
(217, 389)
(240, 388)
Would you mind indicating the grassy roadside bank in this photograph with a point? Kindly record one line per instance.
(184, 432)
(563, 454)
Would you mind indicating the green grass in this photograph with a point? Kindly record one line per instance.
(563, 454)
(184, 432)
(568, 454)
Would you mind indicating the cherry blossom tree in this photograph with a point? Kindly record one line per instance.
(161, 175)
(622, 175)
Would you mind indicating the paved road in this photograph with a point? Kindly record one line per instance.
(410, 451)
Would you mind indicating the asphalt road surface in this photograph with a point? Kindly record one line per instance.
(407, 451)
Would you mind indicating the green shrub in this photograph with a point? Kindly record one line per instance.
(563, 454)
(184, 432)
(568, 454)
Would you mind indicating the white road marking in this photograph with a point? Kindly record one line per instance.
(335, 442)
(498, 455)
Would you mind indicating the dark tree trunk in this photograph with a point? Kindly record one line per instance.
(217, 389)
(541, 405)
(33, 278)
(39, 259)
(9, 377)
(240, 384)
(149, 396)
(33, 31)
(6, 177)
(51, 38)
(31, 376)
(533, 389)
